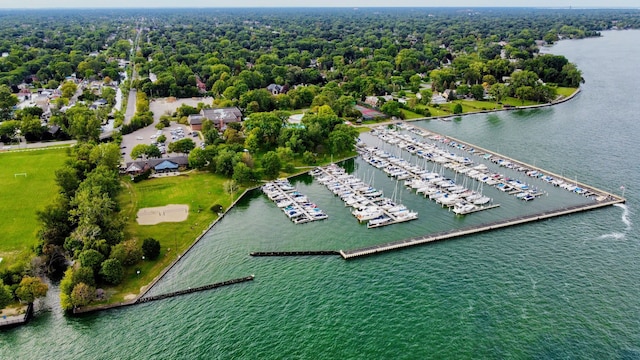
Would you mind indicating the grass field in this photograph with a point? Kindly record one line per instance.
(199, 190)
(21, 197)
(565, 91)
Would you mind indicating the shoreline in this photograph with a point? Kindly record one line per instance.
(145, 289)
(523, 107)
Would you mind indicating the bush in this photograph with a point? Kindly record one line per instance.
(217, 208)
(151, 248)
(112, 271)
(144, 176)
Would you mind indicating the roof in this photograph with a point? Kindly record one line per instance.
(228, 114)
(180, 160)
(195, 119)
(166, 165)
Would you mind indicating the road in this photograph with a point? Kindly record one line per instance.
(131, 106)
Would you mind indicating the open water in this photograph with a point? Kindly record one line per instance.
(565, 288)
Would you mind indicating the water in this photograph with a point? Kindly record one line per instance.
(561, 288)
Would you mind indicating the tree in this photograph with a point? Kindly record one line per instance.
(7, 102)
(139, 150)
(477, 91)
(162, 138)
(230, 186)
(111, 271)
(31, 288)
(82, 294)
(182, 146)
(68, 89)
(127, 252)
(197, 158)
(271, 164)
(391, 108)
(457, 108)
(342, 139)
(91, 259)
(498, 91)
(151, 248)
(243, 173)
(5, 295)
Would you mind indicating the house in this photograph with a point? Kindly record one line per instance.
(221, 117)
(438, 99)
(275, 89)
(157, 165)
(371, 101)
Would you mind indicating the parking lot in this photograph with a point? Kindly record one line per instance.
(149, 134)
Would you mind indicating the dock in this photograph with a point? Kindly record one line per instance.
(401, 244)
(193, 290)
(369, 204)
(295, 253)
(295, 206)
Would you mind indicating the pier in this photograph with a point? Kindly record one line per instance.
(394, 245)
(295, 253)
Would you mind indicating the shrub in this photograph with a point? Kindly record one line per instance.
(217, 208)
(151, 248)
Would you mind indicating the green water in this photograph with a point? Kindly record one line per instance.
(562, 288)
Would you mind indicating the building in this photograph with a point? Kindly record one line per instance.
(156, 165)
(219, 117)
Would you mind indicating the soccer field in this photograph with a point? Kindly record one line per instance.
(26, 185)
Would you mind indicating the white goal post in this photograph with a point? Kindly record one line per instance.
(19, 174)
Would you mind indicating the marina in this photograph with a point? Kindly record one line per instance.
(395, 245)
(295, 205)
(368, 203)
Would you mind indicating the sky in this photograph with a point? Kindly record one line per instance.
(47, 4)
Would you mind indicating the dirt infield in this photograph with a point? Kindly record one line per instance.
(156, 215)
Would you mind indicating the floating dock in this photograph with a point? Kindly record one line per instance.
(394, 245)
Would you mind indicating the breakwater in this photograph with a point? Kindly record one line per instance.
(395, 245)
(193, 290)
(295, 253)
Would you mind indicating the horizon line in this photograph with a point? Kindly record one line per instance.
(326, 7)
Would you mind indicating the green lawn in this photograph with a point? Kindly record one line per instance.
(565, 91)
(199, 190)
(22, 196)
(408, 115)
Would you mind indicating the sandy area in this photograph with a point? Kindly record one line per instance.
(156, 215)
(129, 296)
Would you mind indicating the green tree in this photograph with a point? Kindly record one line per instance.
(342, 139)
(127, 252)
(31, 288)
(391, 108)
(182, 146)
(82, 294)
(68, 89)
(151, 248)
(197, 158)
(111, 271)
(6, 297)
(242, 173)
(7, 102)
(91, 259)
(271, 164)
(457, 108)
(477, 91)
(498, 91)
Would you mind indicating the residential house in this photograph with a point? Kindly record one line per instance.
(275, 89)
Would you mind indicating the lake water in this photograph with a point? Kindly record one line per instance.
(568, 287)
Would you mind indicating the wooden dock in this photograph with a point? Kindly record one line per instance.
(394, 245)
